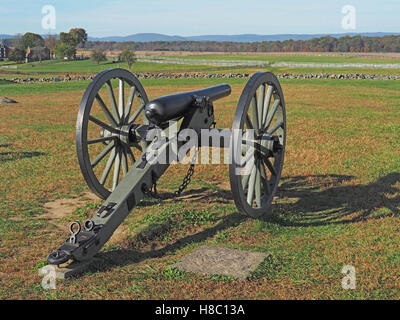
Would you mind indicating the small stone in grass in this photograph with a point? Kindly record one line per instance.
(7, 100)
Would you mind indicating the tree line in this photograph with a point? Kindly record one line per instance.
(66, 44)
(64, 47)
(322, 44)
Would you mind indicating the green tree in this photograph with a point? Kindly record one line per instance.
(98, 55)
(65, 50)
(74, 37)
(66, 38)
(127, 56)
(79, 36)
(17, 55)
(51, 42)
(30, 39)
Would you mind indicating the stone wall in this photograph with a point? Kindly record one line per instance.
(343, 76)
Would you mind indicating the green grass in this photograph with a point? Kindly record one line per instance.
(91, 67)
(338, 202)
(9, 89)
(51, 67)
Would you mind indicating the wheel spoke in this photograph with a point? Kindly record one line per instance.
(103, 125)
(107, 169)
(260, 104)
(117, 168)
(270, 167)
(106, 111)
(275, 127)
(245, 181)
(102, 154)
(103, 139)
(130, 155)
(254, 114)
(258, 185)
(129, 104)
(271, 114)
(264, 179)
(247, 171)
(124, 162)
(267, 102)
(252, 182)
(112, 101)
(136, 114)
(247, 157)
(248, 122)
(245, 147)
(121, 98)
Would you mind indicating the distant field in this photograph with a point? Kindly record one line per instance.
(338, 202)
(293, 58)
(12, 89)
(89, 67)
(372, 55)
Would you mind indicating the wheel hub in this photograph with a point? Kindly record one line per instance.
(122, 135)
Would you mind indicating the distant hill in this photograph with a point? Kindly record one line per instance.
(148, 37)
(141, 37)
(5, 36)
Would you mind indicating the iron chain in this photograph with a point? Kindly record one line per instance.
(186, 180)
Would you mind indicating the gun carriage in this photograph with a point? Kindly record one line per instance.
(120, 141)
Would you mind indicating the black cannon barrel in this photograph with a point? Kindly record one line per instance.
(214, 93)
(175, 106)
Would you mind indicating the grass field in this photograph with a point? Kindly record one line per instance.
(338, 203)
(89, 67)
(291, 58)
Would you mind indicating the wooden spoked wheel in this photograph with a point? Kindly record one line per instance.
(258, 144)
(111, 104)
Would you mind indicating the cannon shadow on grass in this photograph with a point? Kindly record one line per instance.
(314, 201)
(122, 257)
(332, 199)
(13, 156)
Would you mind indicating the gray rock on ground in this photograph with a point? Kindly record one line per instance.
(7, 100)
(221, 261)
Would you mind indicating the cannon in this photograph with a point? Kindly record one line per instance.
(125, 143)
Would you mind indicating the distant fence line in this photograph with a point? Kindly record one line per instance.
(337, 65)
(227, 63)
(254, 63)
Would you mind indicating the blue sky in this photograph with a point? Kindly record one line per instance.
(186, 17)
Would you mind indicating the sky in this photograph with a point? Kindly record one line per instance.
(202, 17)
